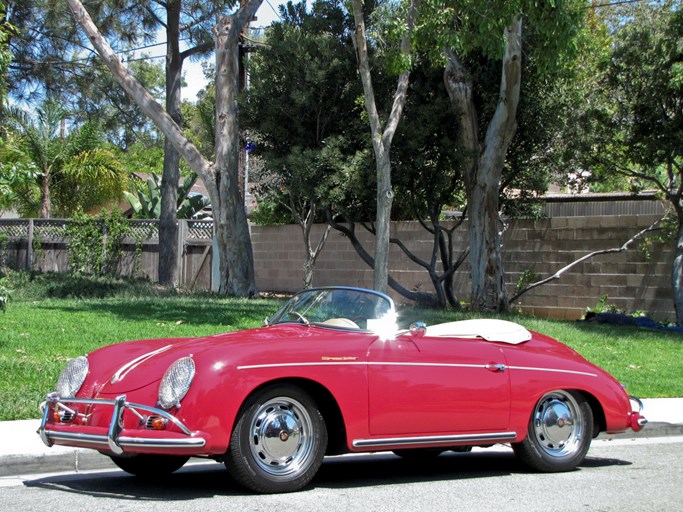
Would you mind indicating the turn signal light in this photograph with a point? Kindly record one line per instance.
(156, 423)
(61, 416)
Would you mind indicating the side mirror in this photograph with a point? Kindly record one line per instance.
(418, 329)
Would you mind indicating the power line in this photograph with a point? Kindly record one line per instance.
(618, 2)
(274, 10)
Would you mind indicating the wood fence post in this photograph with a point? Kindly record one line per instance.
(29, 249)
(182, 235)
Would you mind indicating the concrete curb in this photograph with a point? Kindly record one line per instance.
(23, 453)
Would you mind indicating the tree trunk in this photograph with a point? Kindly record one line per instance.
(45, 202)
(168, 224)
(312, 253)
(485, 167)
(677, 269)
(381, 140)
(232, 230)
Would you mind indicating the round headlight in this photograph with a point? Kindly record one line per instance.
(175, 382)
(72, 377)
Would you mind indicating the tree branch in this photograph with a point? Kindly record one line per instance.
(564, 269)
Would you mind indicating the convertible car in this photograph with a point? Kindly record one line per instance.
(331, 373)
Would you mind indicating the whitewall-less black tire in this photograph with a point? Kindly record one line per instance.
(560, 432)
(150, 466)
(278, 442)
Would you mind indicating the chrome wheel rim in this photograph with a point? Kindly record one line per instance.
(281, 438)
(558, 424)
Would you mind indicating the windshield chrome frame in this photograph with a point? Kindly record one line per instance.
(392, 307)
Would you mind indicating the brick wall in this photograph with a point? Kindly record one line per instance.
(543, 246)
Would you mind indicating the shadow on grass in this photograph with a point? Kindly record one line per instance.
(195, 310)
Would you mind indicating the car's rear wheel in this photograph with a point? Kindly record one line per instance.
(278, 442)
(560, 432)
(148, 465)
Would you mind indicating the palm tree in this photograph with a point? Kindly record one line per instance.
(75, 170)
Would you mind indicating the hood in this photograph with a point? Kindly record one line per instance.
(125, 367)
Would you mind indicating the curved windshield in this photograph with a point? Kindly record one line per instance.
(341, 308)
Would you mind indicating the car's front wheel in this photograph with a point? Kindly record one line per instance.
(150, 466)
(560, 432)
(278, 442)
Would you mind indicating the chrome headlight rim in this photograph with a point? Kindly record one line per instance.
(176, 382)
(72, 377)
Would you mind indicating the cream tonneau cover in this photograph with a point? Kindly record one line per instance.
(489, 330)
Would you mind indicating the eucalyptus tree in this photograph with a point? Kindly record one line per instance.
(455, 30)
(221, 176)
(53, 58)
(383, 132)
(630, 122)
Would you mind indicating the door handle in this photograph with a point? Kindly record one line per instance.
(496, 368)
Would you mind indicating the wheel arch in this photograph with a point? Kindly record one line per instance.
(329, 408)
(599, 421)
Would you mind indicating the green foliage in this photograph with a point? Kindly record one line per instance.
(5, 295)
(271, 210)
(477, 28)
(301, 109)
(32, 286)
(104, 101)
(526, 278)
(147, 203)
(7, 30)
(142, 158)
(72, 171)
(17, 180)
(626, 127)
(600, 306)
(666, 233)
(89, 180)
(95, 244)
(427, 161)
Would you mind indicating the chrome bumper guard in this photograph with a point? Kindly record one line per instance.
(640, 420)
(113, 441)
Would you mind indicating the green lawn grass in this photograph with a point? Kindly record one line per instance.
(38, 335)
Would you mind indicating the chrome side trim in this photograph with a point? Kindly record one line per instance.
(422, 440)
(357, 363)
(302, 364)
(552, 370)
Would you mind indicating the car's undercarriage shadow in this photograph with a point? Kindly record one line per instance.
(210, 479)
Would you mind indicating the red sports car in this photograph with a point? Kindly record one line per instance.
(331, 373)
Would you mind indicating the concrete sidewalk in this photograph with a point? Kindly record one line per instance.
(23, 453)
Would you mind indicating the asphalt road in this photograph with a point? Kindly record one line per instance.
(618, 475)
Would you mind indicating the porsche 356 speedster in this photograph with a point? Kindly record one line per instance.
(331, 373)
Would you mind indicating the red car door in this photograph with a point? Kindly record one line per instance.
(437, 385)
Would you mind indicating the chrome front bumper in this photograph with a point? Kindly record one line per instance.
(113, 441)
(637, 420)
